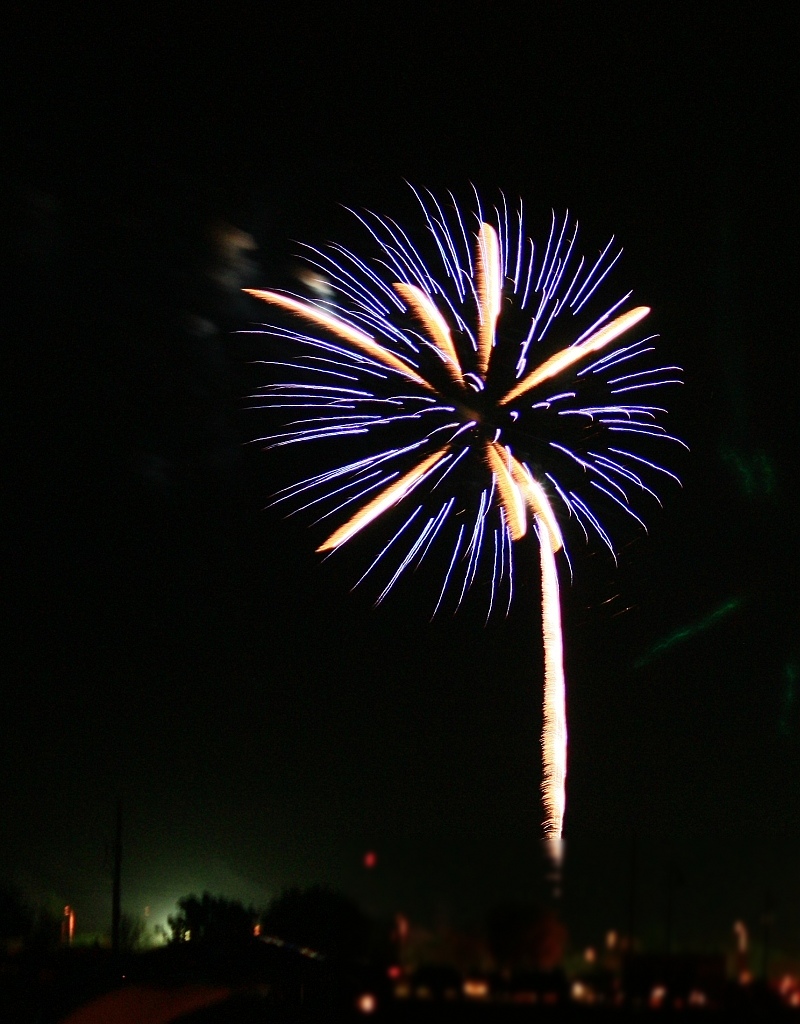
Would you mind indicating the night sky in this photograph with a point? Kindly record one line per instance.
(172, 643)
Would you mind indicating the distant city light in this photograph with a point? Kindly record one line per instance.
(581, 993)
(366, 1003)
(476, 988)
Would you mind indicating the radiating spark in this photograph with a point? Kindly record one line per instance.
(449, 573)
(645, 462)
(388, 545)
(409, 558)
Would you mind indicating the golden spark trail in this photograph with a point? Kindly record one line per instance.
(568, 356)
(507, 489)
(489, 287)
(356, 338)
(394, 492)
(435, 324)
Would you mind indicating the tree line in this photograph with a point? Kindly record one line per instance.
(511, 936)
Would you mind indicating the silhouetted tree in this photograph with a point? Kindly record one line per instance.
(16, 917)
(211, 919)
(525, 937)
(321, 919)
(36, 925)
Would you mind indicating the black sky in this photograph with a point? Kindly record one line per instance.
(172, 643)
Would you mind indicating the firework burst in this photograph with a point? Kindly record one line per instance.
(490, 402)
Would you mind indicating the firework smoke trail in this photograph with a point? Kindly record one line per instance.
(488, 390)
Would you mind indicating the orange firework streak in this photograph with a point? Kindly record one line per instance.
(569, 356)
(515, 487)
(436, 325)
(394, 492)
(344, 331)
(488, 273)
(509, 493)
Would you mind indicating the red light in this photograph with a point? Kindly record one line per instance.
(68, 925)
(370, 859)
(395, 972)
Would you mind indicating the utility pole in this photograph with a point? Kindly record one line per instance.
(116, 892)
(767, 920)
(632, 880)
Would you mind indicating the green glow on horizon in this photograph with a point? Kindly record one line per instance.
(689, 631)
